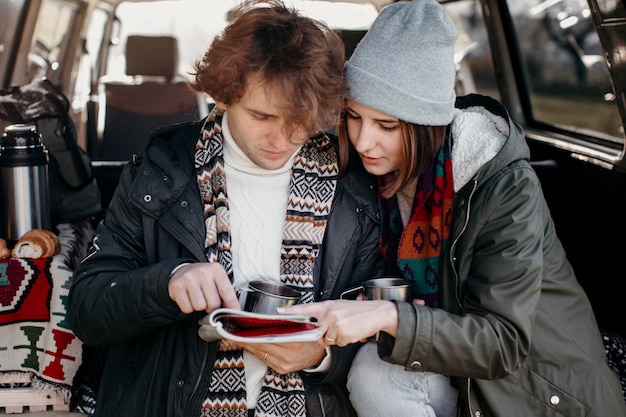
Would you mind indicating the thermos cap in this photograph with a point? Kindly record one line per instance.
(22, 145)
(20, 136)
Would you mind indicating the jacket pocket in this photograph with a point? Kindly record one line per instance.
(549, 396)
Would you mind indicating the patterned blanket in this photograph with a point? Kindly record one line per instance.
(36, 341)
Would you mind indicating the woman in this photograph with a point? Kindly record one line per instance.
(464, 218)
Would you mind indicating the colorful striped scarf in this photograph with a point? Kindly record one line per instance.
(415, 252)
(311, 192)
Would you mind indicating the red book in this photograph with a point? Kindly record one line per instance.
(248, 327)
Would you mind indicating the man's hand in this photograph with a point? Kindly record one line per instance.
(202, 286)
(287, 357)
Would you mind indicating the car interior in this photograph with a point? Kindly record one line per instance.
(557, 65)
(151, 95)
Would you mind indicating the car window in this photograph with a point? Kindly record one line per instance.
(472, 54)
(564, 69)
(48, 43)
(49, 46)
(195, 23)
(89, 60)
(10, 12)
(566, 73)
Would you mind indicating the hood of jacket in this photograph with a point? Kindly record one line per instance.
(483, 131)
(169, 153)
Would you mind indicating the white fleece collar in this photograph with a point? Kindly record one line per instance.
(478, 136)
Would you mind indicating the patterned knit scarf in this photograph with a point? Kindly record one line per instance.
(311, 193)
(415, 253)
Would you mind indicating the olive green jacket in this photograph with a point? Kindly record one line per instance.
(516, 334)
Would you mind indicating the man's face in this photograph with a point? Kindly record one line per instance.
(257, 127)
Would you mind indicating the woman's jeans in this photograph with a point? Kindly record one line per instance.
(378, 388)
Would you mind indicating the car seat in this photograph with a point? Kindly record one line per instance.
(153, 96)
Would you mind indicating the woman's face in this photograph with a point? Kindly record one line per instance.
(376, 136)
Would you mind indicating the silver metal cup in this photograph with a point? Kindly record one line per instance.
(265, 297)
(385, 288)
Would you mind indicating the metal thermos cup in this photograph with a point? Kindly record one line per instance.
(265, 297)
(384, 288)
(24, 194)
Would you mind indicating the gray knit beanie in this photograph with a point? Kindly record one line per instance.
(404, 65)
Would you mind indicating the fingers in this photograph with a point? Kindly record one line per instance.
(202, 286)
(227, 295)
(287, 357)
(344, 322)
(177, 290)
(316, 310)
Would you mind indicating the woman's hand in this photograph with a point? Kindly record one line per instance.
(348, 321)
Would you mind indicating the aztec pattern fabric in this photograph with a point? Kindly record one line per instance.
(615, 348)
(37, 343)
(416, 252)
(311, 193)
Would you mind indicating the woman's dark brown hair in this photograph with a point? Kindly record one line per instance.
(420, 144)
(300, 57)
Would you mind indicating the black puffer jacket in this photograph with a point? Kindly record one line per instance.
(157, 365)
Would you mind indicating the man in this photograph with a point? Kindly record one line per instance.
(251, 192)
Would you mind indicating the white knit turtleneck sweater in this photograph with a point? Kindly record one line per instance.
(257, 202)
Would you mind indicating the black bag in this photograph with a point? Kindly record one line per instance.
(74, 192)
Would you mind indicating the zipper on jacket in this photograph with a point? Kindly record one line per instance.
(322, 408)
(456, 275)
(456, 241)
(197, 384)
(469, 401)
